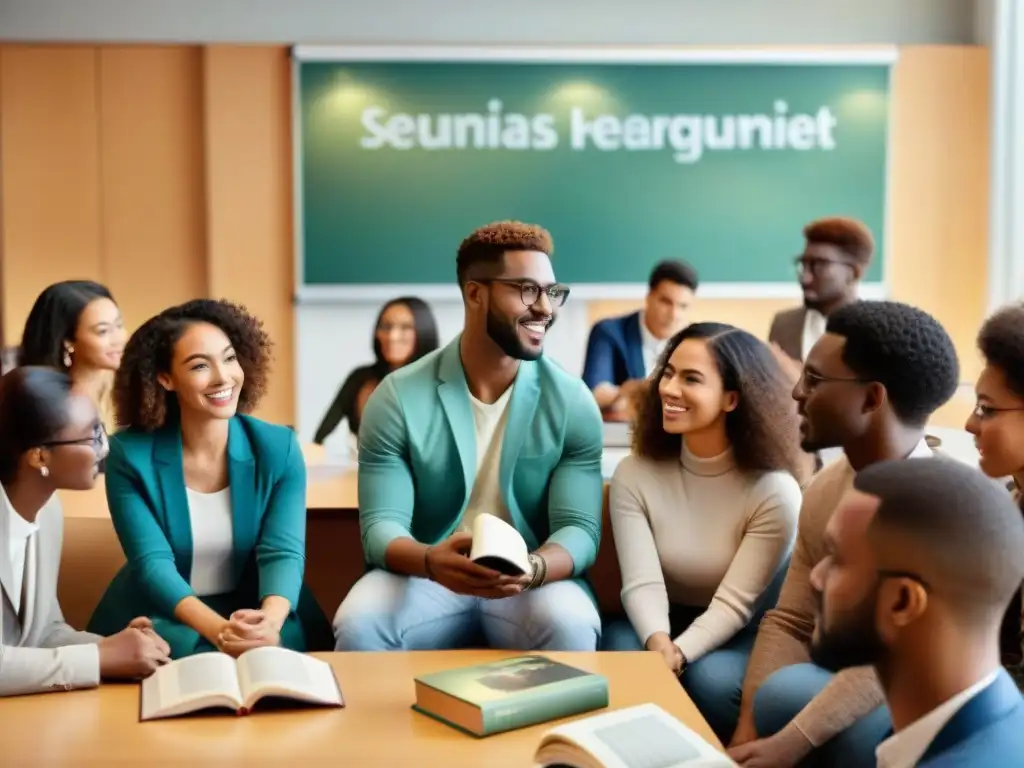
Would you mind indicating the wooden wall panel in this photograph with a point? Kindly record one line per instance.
(939, 188)
(151, 177)
(49, 170)
(248, 185)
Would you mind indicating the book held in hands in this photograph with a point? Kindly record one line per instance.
(485, 699)
(645, 736)
(499, 546)
(216, 680)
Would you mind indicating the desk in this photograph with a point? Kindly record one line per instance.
(376, 727)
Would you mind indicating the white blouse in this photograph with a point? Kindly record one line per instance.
(212, 542)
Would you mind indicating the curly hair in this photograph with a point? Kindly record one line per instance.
(488, 244)
(1001, 342)
(848, 235)
(140, 401)
(53, 321)
(904, 349)
(763, 430)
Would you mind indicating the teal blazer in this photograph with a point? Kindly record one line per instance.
(146, 494)
(417, 457)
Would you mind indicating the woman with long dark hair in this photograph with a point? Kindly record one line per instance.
(51, 439)
(75, 326)
(404, 332)
(705, 511)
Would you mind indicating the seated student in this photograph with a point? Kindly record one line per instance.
(837, 252)
(50, 439)
(997, 423)
(209, 504)
(405, 331)
(868, 386)
(622, 351)
(705, 511)
(921, 562)
(486, 424)
(76, 326)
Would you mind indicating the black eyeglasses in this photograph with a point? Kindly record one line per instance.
(98, 440)
(985, 412)
(531, 291)
(813, 264)
(811, 379)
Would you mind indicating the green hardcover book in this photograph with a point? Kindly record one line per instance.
(512, 693)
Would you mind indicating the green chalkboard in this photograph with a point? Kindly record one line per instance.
(625, 164)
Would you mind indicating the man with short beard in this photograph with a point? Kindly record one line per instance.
(483, 425)
(922, 559)
(837, 251)
(868, 386)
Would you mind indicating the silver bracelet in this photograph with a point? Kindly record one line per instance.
(540, 571)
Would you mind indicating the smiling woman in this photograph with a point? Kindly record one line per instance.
(208, 502)
(76, 326)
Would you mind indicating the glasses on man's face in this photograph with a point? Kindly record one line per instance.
(98, 440)
(985, 412)
(814, 265)
(531, 291)
(810, 379)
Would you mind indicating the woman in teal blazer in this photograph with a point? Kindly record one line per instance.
(209, 505)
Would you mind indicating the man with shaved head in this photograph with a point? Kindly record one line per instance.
(923, 558)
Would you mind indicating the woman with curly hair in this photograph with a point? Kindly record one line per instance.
(997, 423)
(209, 503)
(705, 510)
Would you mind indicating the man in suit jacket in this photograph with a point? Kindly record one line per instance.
(622, 351)
(836, 254)
(924, 558)
(484, 425)
(39, 651)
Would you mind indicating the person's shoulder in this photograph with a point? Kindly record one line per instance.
(637, 472)
(424, 370)
(132, 442)
(267, 432)
(793, 313)
(775, 483)
(566, 388)
(613, 324)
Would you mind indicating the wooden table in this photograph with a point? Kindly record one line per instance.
(376, 728)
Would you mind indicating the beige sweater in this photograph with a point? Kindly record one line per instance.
(785, 634)
(699, 532)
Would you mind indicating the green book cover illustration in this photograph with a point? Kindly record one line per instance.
(485, 699)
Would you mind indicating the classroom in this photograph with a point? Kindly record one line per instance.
(297, 178)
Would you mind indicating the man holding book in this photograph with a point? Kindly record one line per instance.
(485, 425)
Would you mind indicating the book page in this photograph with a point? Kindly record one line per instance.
(206, 679)
(272, 671)
(637, 737)
(494, 538)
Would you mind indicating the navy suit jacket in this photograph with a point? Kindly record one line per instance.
(614, 351)
(987, 731)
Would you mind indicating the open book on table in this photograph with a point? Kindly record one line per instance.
(213, 680)
(645, 736)
(499, 546)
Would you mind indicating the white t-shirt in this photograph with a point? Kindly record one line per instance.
(490, 420)
(18, 532)
(213, 539)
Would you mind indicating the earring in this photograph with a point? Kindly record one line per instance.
(44, 471)
(67, 356)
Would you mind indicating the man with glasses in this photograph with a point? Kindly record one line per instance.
(484, 426)
(921, 561)
(868, 386)
(836, 254)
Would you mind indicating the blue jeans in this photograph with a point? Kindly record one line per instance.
(783, 695)
(714, 682)
(388, 612)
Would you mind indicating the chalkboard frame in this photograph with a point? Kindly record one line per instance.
(373, 294)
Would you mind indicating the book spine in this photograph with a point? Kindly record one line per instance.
(568, 698)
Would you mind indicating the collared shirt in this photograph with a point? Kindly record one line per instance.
(814, 329)
(905, 748)
(18, 531)
(652, 346)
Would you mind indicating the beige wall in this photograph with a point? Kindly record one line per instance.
(165, 172)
